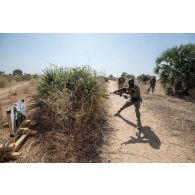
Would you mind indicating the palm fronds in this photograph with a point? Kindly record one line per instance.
(176, 67)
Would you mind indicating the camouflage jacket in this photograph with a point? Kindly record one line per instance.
(134, 92)
(152, 82)
(121, 80)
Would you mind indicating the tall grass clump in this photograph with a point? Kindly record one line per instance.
(7, 81)
(69, 113)
(1, 117)
(2, 82)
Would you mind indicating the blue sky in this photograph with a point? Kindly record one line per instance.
(109, 53)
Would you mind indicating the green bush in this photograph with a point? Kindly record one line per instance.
(77, 82)
(68, 104)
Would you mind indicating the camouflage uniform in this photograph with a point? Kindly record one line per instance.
(152, 83)
(121, 82)
(135, 100)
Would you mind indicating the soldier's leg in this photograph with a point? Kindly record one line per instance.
(149, 89)
(138, 114)
(153, 88)
(126, 105)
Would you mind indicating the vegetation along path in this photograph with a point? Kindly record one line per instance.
(167, 133)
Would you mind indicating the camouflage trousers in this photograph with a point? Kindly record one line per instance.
(137, 107)
(151, 86)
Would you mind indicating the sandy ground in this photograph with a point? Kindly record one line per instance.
(167, 133)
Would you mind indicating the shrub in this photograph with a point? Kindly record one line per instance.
(68, 102)
(143, 78)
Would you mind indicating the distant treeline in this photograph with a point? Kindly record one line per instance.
(18, 72)
(17, 76)
(141, 78)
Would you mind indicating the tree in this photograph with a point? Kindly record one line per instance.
(111, 77)
(143, 78)
(128, 76)
(17, 72)
(176, 68)
(124, 74)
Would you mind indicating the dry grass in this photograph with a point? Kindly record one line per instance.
(4, 132)
(79, 145)
(15, 92)
(1, 117)
(177, 114)
(2, 83)
(70, 128)
(72, 135)
(7, 81)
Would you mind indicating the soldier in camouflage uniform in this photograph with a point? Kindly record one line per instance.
(152, 83)
(121, 82)
(135, 99)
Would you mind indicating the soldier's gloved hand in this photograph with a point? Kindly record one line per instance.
(141, 100)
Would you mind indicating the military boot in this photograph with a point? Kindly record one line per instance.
(139, 125)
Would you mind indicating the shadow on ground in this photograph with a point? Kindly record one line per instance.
(145, 136)
(127, 121)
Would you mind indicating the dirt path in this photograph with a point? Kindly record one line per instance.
(161, 140)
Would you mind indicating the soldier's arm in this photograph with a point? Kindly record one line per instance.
(126, 96)
(130, 91)
(119, 91)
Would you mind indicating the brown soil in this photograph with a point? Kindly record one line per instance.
(168, 132)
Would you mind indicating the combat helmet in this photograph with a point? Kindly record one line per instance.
(131, 82)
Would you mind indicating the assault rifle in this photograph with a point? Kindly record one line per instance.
(128, 91)
(123, 90)
(119, 91)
